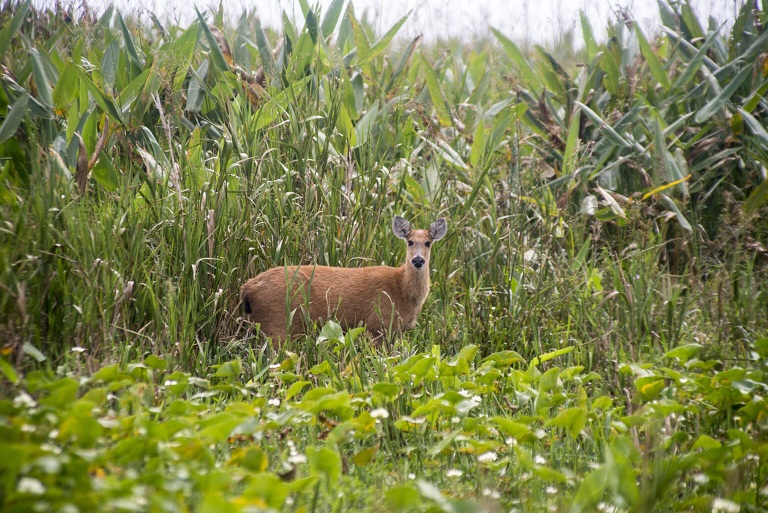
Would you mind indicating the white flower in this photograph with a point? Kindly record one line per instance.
(551, 490)
(30, 485)
(539, 460)
(297, 458)
(720, 504)
(411, 476)
(274, 402)
(78, 349)
(453, 472)
(493, 494)
(380, 413)
(170, 382)
(487, 456)
(24, 399)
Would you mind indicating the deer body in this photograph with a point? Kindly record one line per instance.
(380, 297)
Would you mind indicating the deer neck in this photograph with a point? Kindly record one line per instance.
(415, 283)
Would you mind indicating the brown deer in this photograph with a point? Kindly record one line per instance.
(380, 297)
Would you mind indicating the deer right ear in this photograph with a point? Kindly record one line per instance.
(401, 227)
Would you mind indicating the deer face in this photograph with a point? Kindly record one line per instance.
(419, 241)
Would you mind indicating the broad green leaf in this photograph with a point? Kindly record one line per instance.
(405, 59)
(589, 38)
(569, 155)
(66, 87)
(325, 462)
(42, 81)
(13, 120)
(657, 70)
(684, 353)
(757, 198)
(530, 78)
(128, 39)
(331, 331)
(717, 103)
(511, 428)
(610, 133)
(684, 80)
(216, 56)
(105, 103)
(105, 174)
(591, 491)
(402, 497)
(331, 18)
(296, 388)
(232, 369)
(755, 126)
(672, 206)
(9, 30)
(8, 371)
(109, 64)
(436, 94)
(382, 43)
(572, 420)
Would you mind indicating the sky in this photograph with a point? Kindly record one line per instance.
(526, 21)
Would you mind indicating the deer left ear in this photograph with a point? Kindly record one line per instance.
(438, 229)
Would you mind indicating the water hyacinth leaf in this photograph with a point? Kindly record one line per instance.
(232, 369)
(105, 174)
(684, 353)
(571, 420)
(8, 371)
(516, 430)
(295, 389)
(14, 118)
(268, 488)
(331, 331)
(324, 462)
(591, 491)
(402, 497)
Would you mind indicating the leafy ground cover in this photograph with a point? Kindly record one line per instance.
(596, 334)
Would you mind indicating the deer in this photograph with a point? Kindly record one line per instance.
(381, 298)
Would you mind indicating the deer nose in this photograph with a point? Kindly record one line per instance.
(417, 262)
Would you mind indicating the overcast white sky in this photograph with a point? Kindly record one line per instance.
(521, 20)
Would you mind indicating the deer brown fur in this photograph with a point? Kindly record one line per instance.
(379, 297)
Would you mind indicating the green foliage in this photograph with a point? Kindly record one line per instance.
(595, 336)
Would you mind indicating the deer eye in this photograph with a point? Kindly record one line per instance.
(410, 243)
(427, 244)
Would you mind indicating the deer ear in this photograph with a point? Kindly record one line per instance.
(438, 229)
(401, 227)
